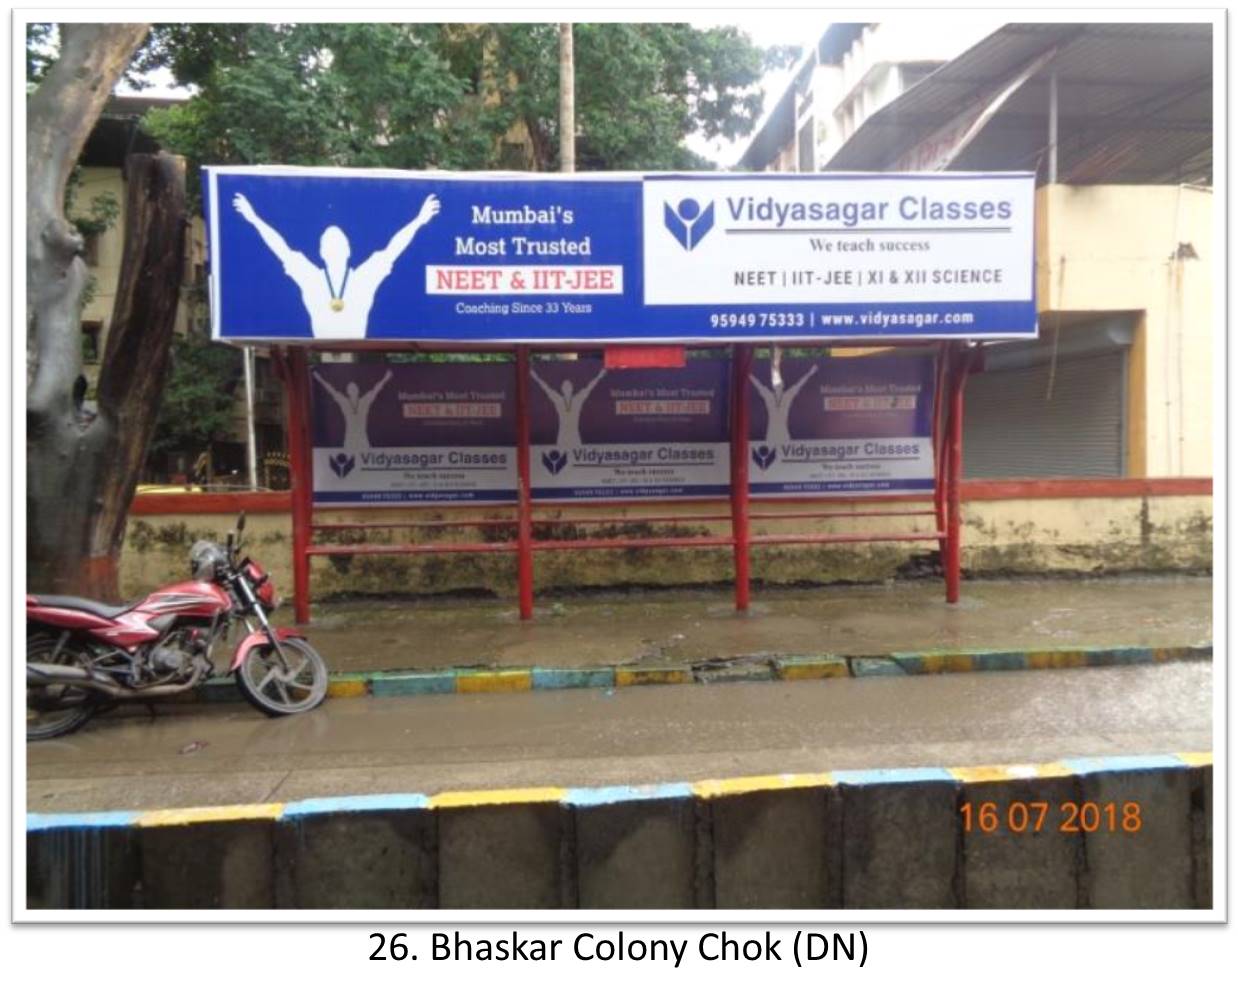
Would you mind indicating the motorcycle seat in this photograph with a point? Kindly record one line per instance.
(84, 605)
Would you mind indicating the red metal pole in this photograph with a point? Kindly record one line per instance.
(741, 367)
(301, 467)
(524, 499)
(954, 472)
(939, 442)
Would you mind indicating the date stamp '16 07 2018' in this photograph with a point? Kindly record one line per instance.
(1039, 816)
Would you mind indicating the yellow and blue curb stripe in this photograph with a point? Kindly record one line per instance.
(788, 667)
(590, 797)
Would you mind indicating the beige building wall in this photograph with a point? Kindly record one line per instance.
(109, 247)
(1144, 249)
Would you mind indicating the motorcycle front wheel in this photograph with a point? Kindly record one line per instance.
(54, 710)
(280, 690)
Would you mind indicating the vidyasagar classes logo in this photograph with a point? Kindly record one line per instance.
(554, 461)
(342, 464)
(688, 222)
(764, 456)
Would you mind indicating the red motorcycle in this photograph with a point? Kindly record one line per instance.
(82, 655)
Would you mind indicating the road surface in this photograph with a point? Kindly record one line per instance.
(216, 754)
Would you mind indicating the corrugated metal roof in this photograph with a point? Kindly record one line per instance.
(1135, 103)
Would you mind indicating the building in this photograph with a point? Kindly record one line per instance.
(852, 72)
(1116, 122)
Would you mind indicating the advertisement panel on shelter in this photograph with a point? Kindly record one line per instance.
(413, 433)
(350, 255)
(602, 434)
(442, 433)
(860, 425)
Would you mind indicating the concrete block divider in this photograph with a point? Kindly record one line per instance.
(1023, 853)
(891, 838)
(784, 667)
(635, 846)
(1150, 868)
(900, 839)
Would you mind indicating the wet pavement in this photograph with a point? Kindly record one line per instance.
(676, 626)
(212, 754)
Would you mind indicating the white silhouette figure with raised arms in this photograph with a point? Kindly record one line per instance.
(568, 403)
(778, 406)
(338, 297)
(355, 407)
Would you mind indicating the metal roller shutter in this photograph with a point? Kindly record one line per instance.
(1012, 428)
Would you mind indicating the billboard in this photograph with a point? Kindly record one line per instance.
(445, 433)
(600, 434)
(858, 426)
(413, 433)
(347, 255)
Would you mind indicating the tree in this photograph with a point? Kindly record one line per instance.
(82, 466)
(641, 89)
(415, 96)
(369, 95)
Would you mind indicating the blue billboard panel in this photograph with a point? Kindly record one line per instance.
(349, 255)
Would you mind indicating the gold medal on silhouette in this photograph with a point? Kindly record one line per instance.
(337, 300)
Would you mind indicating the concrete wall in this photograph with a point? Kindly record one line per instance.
(1088, 535)
(1147, 250)
(894, 839)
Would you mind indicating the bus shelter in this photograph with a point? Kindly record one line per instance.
(890, 281)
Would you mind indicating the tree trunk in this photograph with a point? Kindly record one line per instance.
(76, 512)
(139, 340)
(67, 451)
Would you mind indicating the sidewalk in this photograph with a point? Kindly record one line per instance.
(685, 626)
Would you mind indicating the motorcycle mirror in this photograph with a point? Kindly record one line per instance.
(230, 543)
(240, 523)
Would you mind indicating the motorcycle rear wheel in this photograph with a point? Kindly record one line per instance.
(54, 710)
(268, 687)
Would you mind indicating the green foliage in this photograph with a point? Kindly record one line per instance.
(641, 89)
(196, 407)
(416, 96)
(100, 216)
(40, 51)
(376, 95)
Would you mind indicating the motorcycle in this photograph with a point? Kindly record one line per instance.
(82, 655)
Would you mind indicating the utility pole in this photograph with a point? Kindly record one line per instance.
(251, 444)
(567, 101)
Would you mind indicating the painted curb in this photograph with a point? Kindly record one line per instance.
(591, 797)
(788, 667)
